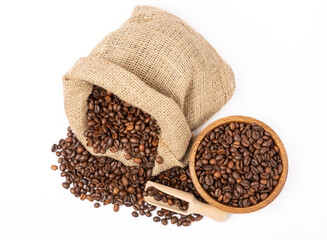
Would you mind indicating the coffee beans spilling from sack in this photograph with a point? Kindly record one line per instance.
(104, 180)
(238, 164)
(115, 125)
(176, 76)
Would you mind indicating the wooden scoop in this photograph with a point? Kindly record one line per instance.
(194, 206)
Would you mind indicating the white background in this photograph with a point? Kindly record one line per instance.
(277, 50)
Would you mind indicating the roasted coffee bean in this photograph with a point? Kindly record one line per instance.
(65, 185)
(179, 222)
(54, 167)
(54, 148)
(236, 175)
(164, 221)
(253, 200)
(97, 205)
(135, 214)
(116, 208)
(238, 164)
(208, 180)
(245, 183)
(186, 223)
(217, 174)
(263, 196)
(239, 189)
(159, 160)
(183, 177)
(137, 160)
(156, 219)
(124, 180)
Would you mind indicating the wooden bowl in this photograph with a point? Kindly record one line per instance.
(207, 196)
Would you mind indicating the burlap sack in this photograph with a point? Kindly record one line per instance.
(156, 62)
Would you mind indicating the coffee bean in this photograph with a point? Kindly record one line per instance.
(116, 208)
(159, 160)
(232, 126)
(236, 175)
(245, 203)
(137, 160)
(183, 177)
(239, 189)
(179, 222)
(217, 192)
(164, 221)
(124, 180)
(54, 167)
(213, 161)
(280, 168)
(264, 175)
(208, 180)
(135, 214)
(156, 219)
(253, 200)
(54, 148)
(97, 205)
(116, 190)
(82, 197)
(186, 223)
(221, 151)
(217, 174)
(245, 183)
(207, 156)
(263, 196)
(227, 188)
(174, 220)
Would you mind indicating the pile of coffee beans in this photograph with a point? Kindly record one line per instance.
(104, 180)
(116, 125)
(238, 164)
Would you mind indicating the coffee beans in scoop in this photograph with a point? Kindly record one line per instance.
(114, 124)
(108, 181)
(170, 200)
(238, 164)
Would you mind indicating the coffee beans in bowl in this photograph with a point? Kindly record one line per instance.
(238, 164)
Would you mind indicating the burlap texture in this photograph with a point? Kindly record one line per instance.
(158, 63)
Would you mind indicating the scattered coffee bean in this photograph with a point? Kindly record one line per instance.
(186, 223)
(54, 167)
(135, 214)
(164, 221)
(116, 208)
(54, 148)
(96, 205)
(156, 219)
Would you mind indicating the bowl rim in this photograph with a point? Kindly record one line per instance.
(283, 155)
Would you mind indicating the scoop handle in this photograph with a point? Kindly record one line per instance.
(209, 211)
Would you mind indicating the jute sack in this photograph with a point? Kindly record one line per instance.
(158, 63)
